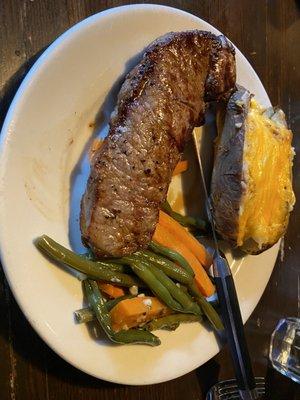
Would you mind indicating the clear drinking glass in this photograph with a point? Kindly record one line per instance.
(285, 348)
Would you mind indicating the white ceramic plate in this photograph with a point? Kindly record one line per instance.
(43, 171)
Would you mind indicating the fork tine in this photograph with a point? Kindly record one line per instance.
(230, 397)
(232, 389)
(228, 390)
(234, 392)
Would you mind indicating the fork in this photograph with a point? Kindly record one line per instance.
(228, 390)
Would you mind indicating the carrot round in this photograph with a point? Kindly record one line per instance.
(180, 167)
(111, 290)
(163, 236)
(183, 235)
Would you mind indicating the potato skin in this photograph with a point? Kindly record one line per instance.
(227, 186)
(228, 183)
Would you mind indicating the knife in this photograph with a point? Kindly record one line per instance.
(230, 310)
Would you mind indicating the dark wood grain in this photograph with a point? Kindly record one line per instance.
(268, 33)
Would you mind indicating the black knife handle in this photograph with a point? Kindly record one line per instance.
(233, 323)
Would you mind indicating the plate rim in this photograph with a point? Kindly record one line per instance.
(4, 137)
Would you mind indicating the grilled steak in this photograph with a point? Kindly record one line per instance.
(160, 102)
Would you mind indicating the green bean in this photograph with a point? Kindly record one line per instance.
(167, 266)
(207, 308)
(92, 269)
(112, 266)
(184, 220)
(88, 255)
(171, 322)
(144, 273)
(85, 315)
(187, 304)
(211, 314)
(136, 336)
(98, 306)
(116, 261)
(120, 263)
(172, 255)
(167, 327)
(184, 288)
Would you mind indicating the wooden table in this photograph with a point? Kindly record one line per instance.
(268, 33)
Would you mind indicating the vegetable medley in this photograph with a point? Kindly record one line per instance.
(157, 288)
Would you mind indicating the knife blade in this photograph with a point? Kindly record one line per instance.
(197, 132)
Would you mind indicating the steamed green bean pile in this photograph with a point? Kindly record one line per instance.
(157, 272)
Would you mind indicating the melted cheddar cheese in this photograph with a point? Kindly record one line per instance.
(268, 195)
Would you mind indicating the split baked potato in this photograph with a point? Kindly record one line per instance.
(251, 188)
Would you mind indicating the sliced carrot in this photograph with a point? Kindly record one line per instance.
(180, 167)
(185, 236)
(165, 237)
(111, 290)
(97, 143)
(136, 311)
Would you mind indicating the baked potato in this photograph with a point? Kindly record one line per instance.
(251, 188)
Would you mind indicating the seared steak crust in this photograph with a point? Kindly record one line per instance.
(160, 102)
